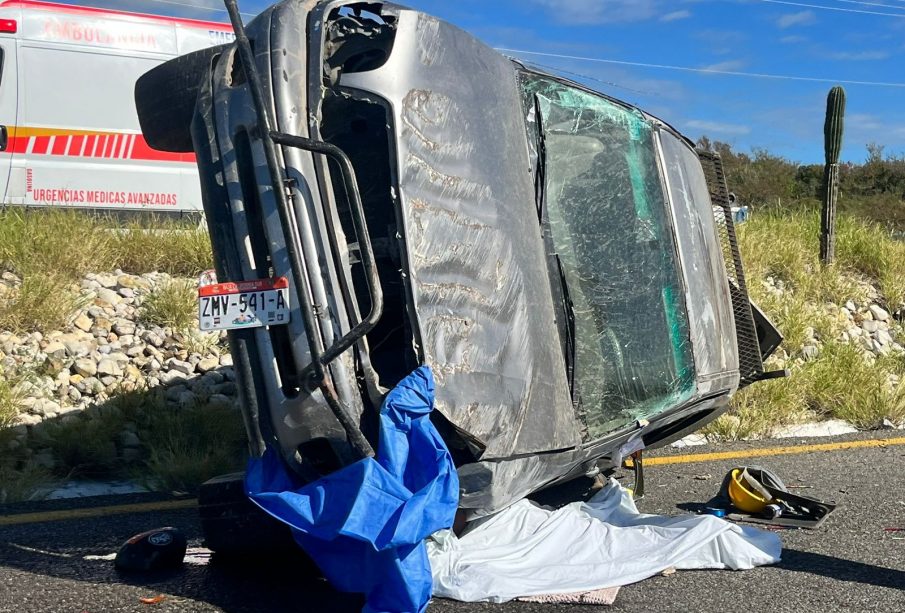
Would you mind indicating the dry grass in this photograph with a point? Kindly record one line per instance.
(188, 447)
(180, 447)
(42, 302)
(169, 247)
(785, 246)
(23, 483)
(51, 250)
(10, 400)
(173, 305)
(840, 382)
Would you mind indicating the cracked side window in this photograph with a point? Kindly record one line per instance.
(606, 216)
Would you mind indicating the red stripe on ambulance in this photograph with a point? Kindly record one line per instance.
(111, 146)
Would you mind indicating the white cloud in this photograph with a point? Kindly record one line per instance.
(727, 65)
(860, 56)
(793, 39)
(716, 127)
(599, 11)
(863, 122)
(802, 18)
(675, 16)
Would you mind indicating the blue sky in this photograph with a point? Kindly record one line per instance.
(854, 40)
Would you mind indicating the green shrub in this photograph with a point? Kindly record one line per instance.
(57, 242)
(10, 400)
(42, 302)
(189, 446)
(18, 484)
(169, 247)
(51, 250)
(85, 448)
(840, 382)
(174, 305)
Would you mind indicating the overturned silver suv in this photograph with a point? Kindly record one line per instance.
(564, 262)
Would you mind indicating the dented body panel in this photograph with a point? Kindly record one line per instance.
(551, 253)
(475, 252)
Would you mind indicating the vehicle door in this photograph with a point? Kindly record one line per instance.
(8, 98)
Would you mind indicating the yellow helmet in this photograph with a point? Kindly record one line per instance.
(746, 493)
(759, 493)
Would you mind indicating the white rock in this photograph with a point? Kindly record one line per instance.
(880, 349)
(180, 366)
(870, 326)
(172, 392)
(108, 296)
(78, 348)
(83, 322)
(169, 377)
(878, 312)
(123, 327)
(56, 350)
(109, 367)
(118, 357)
(46, 408)
(883, 337)
(831, 427)
(28, 419)
(85, 367)
(105, 280)
(207, 364)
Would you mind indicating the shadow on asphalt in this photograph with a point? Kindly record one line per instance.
(234, 584)
(841, 569)
(233, 587)
(244, 584)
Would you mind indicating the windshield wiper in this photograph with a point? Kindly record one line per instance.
(566, 318)
(540, 167)
(568, 311)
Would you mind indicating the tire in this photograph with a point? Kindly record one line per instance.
(165, 99)
(231, 523)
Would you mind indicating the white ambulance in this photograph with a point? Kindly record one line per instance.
(69, 134)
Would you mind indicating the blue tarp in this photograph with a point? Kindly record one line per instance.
(365, 525)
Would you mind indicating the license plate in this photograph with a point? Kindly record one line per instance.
(244, 304)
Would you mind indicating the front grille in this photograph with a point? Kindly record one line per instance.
(750, 362)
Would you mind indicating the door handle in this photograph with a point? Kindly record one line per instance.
(4, 138)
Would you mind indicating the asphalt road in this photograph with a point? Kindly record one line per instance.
(852, 563)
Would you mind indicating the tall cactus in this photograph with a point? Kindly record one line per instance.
(832, 138)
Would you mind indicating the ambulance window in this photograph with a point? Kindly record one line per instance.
(97, 88)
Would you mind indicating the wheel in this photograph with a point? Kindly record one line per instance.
(165, 99)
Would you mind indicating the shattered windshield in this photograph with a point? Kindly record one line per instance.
(605, 217)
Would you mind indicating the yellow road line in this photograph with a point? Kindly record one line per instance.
(118, 509)
(772, 451)
(170, 505)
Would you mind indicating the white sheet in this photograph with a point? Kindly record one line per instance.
(527, 550)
